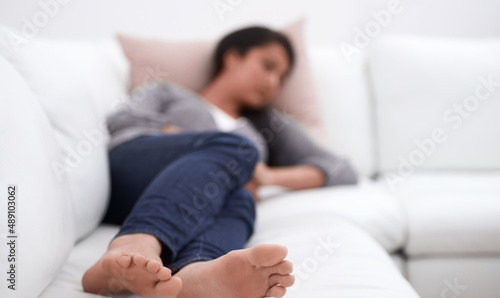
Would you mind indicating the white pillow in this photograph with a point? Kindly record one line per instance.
(77, 83)
(44, 211)
(416, 84)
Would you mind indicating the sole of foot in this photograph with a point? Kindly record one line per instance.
(259, 271)
(130, 266)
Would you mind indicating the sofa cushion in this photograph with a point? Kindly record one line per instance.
(434, 100)
(189, 64)
(331, 257)
(367, 205)
(77, 83)
(452, 213)
(43, 206)
(455, 277)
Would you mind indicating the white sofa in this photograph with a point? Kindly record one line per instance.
(438, 225)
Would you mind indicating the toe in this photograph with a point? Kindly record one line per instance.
(267, 254)
(283, 268)
(283, 280)
(140, 260)
(124, 261)
(164, 273)
(276, 291)
(153, 266)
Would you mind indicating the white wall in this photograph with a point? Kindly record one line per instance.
(331, 21)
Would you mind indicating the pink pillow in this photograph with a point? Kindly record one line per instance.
(188, 64)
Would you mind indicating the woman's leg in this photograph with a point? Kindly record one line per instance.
(239, 276)
(217, 218)
(132, 262)
(172, 208)
(228, 230)
(185, 195)
(135, 164)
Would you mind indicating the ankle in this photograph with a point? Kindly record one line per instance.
(135, 238)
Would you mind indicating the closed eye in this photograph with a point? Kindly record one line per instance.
(269, 65)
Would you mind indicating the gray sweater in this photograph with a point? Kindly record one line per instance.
(279, 139)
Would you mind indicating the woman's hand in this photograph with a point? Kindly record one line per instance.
(263, 174)
(291, 177)
(171, 129)
(252, 187)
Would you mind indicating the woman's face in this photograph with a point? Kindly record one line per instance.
(257, 76)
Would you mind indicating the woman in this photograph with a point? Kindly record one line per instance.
(183, 191)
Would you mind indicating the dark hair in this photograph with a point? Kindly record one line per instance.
(244, 39)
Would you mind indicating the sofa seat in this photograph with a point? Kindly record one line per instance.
(448, 277)
(367, 205)
(332, 255)
(452, 213)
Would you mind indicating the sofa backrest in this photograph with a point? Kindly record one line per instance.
(76, 83)
(436, 104)
(345, 106)
(37, 212)
(55, 98)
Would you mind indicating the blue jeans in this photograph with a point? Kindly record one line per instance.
(186, 190)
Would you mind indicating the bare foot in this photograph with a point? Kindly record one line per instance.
(132, 264)
(255, 272)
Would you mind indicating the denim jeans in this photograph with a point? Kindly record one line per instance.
(186, 190)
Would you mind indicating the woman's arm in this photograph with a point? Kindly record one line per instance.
(143, 109)
(296, 160)
(292, 177)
